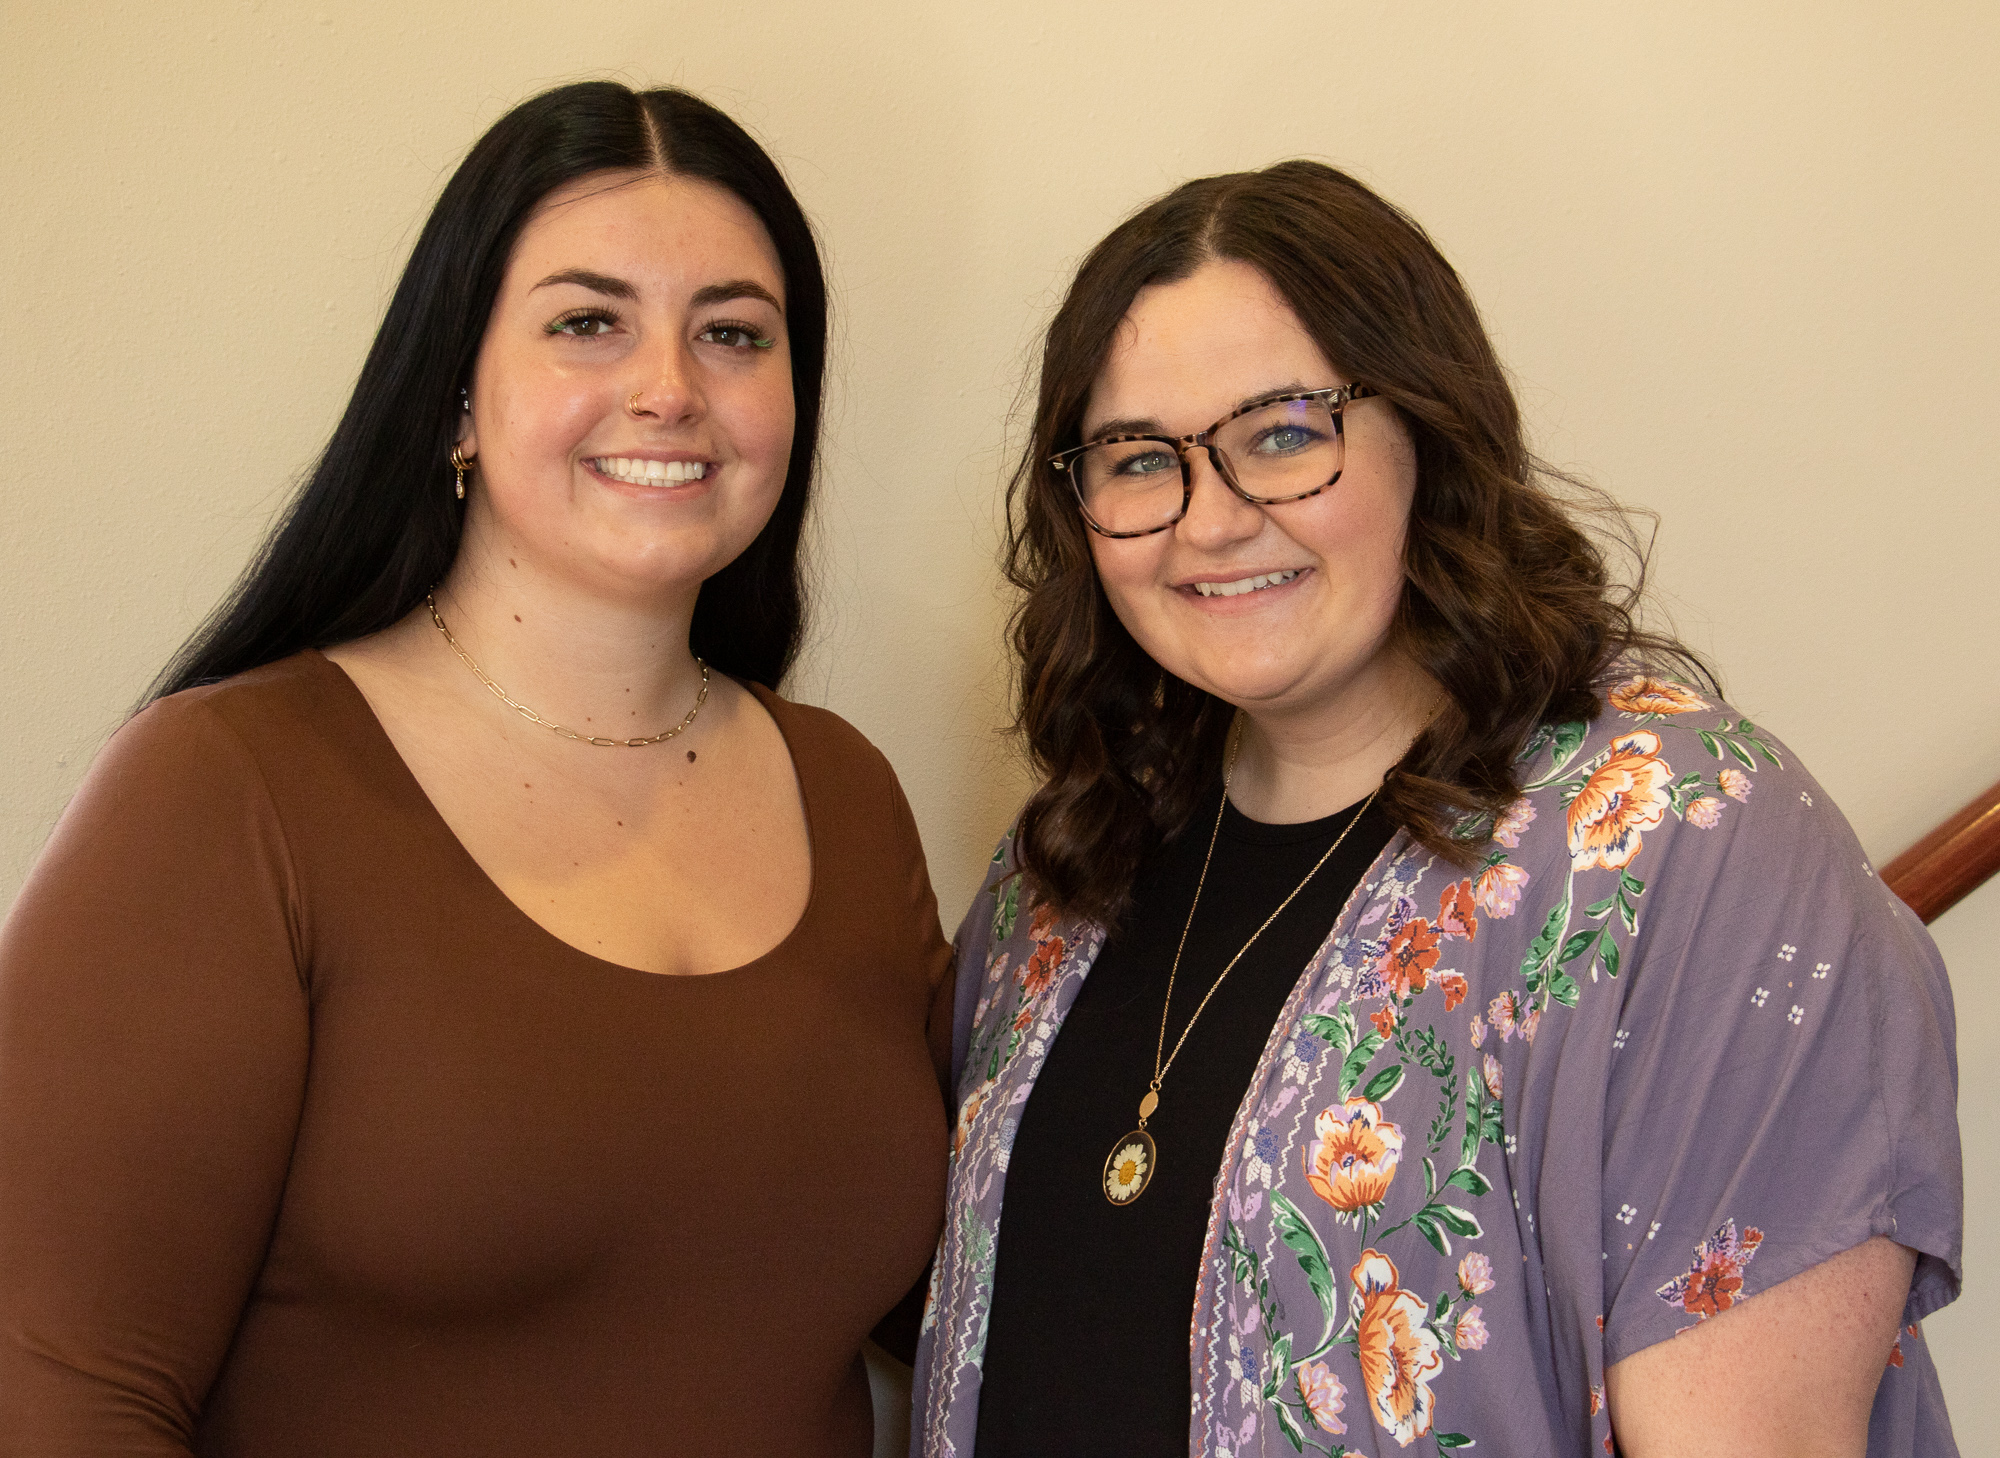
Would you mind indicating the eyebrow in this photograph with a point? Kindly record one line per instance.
(735, 288)
(597, 283)
(618, 288)
(1147, 425)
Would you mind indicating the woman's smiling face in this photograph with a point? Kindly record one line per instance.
(632, 409)
(1318, 635)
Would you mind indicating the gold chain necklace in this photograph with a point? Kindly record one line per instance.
(430, 601)
(1135, 1158)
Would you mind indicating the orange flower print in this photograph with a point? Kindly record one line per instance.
(1042, 922)
(1500, 1013)
(1735, 784)
(1528, 1025)
(1596, 1398)
(1714, 1282)
(1040, 968)
(1478, 1030)
(1024, 1018)
(1454, 987)
(1497, 889)
(1325, 1395)
(1627, 795)
(1413, 951)
(1705, 813)
(1352, 1157)
(1471, 1331)
(1455, 918)
(1896, 1354)
(1489, 1070)
(967, 1112)
(1399, 1354)
(1647, 695)
(1516, 818)
(1384, 1019)
(1475, 1275)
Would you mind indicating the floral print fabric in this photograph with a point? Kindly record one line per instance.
(1664, 1042)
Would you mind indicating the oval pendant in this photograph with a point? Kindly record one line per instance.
(1129, 1168)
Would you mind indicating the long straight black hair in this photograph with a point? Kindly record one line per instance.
(377, 525)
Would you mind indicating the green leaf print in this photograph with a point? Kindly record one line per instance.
(1427, 1224)
(1569, 739)
(1357, 1062)
(1281, 1364)
(1608, 955)
(1337, 1028)
(1006, 908)
(1577, 945)
(1448, 1441)
(1458, 1221)
(1289, 1426)
(1475, 1118)
(1304, 1242)
(1544, 944)
(1384, 1083)
(1470, 1180)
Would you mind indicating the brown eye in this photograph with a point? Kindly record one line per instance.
(584, 324)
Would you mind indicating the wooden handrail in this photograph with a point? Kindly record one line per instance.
(1950, 863)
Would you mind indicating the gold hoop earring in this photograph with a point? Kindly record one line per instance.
(459, 462)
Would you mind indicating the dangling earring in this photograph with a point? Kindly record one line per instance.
(459, 462)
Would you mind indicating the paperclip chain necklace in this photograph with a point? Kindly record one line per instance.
(700, 698)
(1135, 1158)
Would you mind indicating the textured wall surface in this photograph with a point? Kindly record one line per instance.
(1739, 259)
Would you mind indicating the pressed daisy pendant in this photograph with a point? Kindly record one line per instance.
(1128, 1169)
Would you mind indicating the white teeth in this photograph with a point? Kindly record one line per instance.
(1243, 585)
(646, 473)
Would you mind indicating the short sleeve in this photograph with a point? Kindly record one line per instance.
(153, 1043)
(1782, 1083)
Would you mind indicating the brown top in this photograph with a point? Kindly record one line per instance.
(312, 1143)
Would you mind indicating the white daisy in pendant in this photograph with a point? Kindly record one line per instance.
(1125, 1175)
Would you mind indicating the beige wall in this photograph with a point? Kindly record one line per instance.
(1740, 259)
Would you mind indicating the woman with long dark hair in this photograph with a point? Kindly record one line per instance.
(1411, 995)
(469, 1010)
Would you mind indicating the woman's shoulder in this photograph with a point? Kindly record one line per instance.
(829, 753)
(229, 725)
(1665, 763)
(819, 730)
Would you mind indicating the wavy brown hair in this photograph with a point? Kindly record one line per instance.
(1507, 602)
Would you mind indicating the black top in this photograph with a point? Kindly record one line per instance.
(1087, 1344)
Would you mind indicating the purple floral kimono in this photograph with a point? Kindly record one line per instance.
(1664, 1043)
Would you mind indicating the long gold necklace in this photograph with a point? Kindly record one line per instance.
(1135, 1158)
(430, 601)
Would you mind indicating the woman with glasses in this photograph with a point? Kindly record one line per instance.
(1411, 996)
(469, 1011)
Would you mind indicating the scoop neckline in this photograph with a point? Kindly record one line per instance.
(772, 705)
(1241, 828)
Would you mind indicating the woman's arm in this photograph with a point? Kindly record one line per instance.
(1791, 1372)
(153, 1044)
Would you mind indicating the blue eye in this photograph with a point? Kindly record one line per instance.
(1284, 440)
(1144, 462)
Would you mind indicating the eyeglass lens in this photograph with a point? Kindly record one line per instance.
(1286, 449)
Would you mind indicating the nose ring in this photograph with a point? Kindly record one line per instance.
(632, 404)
